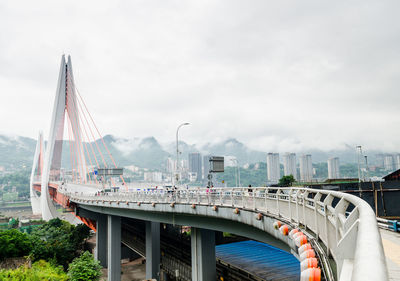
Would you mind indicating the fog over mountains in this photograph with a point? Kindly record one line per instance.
(17, 151)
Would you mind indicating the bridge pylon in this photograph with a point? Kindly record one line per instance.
(65, 103)
(36, 166)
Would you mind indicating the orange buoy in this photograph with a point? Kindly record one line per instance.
(284, 229)
(305, 247)
(300, 240)
(307, 254)
(311, 274)
(293, 232)
(308, 263)
(277, 224)
(297, 234)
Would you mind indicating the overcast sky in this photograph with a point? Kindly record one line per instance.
(276, 75)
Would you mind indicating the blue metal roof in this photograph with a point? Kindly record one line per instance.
(260, 259)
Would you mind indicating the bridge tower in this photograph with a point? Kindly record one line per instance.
(38, 167)
(65, 103)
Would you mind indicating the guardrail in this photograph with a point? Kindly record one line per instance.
(392, 225)
(344, 223)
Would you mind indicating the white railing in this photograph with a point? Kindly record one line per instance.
(344, 223)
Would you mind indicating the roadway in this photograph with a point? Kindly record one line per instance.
(391, 246)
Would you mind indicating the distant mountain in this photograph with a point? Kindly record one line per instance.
(235, 148)
(16, 151)
(145, 153)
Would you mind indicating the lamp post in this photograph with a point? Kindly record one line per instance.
(177, 152)
(237, 170)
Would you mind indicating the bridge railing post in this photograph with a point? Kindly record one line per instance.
(290, 204)
(277, 202)
(317, 199)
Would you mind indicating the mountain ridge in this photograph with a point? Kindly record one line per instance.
(148, 153)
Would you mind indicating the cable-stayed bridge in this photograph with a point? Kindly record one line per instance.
(334, 235)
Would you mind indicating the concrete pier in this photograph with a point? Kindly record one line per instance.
(152, 250)
(114, 248)
(101, 240)
(203, 254)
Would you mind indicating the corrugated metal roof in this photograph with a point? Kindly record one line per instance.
(260, 259)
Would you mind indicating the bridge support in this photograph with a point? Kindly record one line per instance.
(101, 240)
(203, 254)
(152, 250)
(37, 163)
(114, 248)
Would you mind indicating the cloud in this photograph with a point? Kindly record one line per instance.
(278, 76)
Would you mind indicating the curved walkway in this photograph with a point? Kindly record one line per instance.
(345, 224)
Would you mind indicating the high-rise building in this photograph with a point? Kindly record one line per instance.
(195, 164)
(333, 168)
(152, 177)
(206, 166)
(397, 161)
(388, 162)
(289, 164)
(306, 170)
(273, 169)
(170, 165)
(379, 160)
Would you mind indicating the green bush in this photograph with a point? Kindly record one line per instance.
(286, 180)
(40, 271)
(84, 267)
(14, 243)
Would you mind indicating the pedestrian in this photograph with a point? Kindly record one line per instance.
(250, 190)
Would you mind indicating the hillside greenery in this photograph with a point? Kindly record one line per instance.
(58, 241)
(256, 175)
(40, 271)
(14, 243)
(19, 180)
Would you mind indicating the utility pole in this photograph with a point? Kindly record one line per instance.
(359, 153)
(177, 152)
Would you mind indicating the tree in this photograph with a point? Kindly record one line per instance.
(84, 267)
(14, 243)
(286, 180)
(58, 241)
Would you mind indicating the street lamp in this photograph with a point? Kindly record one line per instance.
(234, 160)
(177, 151)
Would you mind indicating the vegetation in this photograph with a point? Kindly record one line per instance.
(286, 180)
(19, 180)
(255, 174)
(84, 267)
(40, 271)
(58, 241)
(14, 243)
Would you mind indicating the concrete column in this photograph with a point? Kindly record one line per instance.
(203, 254)
(101, 240)
(152, 250)
(114, 248)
